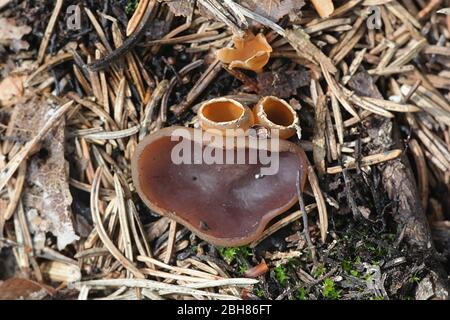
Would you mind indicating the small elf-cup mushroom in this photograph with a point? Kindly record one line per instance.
(227, 204)
(251, 52)
(276, 114)
(225, 114)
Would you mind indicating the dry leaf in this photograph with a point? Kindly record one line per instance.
(257, 270)
(282, 84)
(185, 8)
(9, 30)
(274, 9)
(271, 9)
(22, 289)
(47, 188)
(11, 87)
(180, 7)
(364, 85)
(18, 45)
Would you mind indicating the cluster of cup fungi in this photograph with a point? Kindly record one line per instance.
(226, 204)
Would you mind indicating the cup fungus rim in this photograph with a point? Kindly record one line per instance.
(246, 116)
(261, 57)
(261, 113)
(284, 146)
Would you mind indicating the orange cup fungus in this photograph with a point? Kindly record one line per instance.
(251, 52)
(276, 114)
(226, 204)
(223, 114)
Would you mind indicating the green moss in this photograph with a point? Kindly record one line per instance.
(368, 277)
(350, 267)
(319, 271)
(259, 293)
(131, 7)
(354, 273)
(329, 290)
(301, 294)
(242, 269)
(245, 252)
(415, 278)
(346, 266)
(230, 254)
(280, 274)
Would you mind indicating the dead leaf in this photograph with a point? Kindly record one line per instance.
(22, 289)
(9, 30)
(282, 84)
(257, 270)
(47, 188)
(364, 85)
(274, 9)
(11, 87)
(18, 45)
(271, 9)
(180, 7)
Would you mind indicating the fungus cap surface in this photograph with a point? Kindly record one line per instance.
(224, 204)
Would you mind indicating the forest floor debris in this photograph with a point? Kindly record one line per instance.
(81, 84)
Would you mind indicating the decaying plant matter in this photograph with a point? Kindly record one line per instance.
(362, 86)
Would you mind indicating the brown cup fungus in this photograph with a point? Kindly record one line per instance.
(276, 114)
(224, 114)
(251, 52)
(224, 204)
